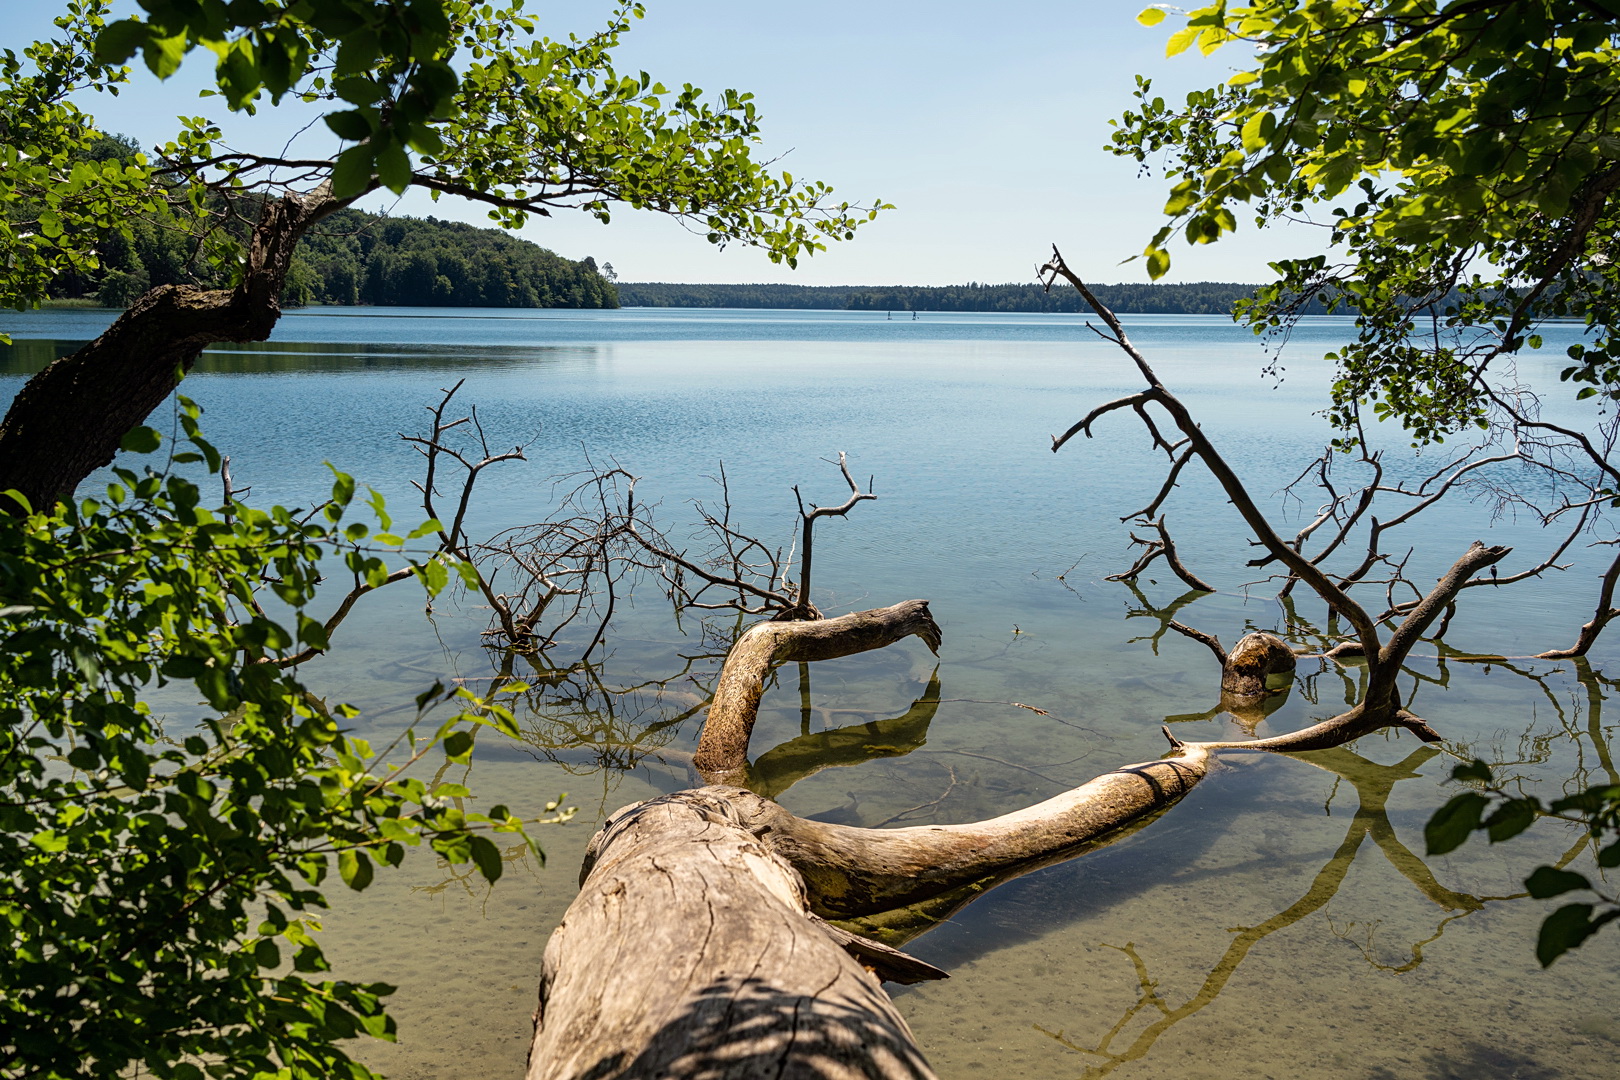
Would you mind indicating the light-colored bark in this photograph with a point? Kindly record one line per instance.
(697, 946)
(722, 753)
(688, 953)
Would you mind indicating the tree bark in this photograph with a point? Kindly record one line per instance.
(722, 753)
(68, 420)
(1604, 615)
(697, 946)
(1254, 659)
(688, 953)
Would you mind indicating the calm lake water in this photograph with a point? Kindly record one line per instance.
(1282, 921)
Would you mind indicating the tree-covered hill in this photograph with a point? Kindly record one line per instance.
(354, 257)
(358, 258)
(1197, 298)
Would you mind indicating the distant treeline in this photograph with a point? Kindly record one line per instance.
(1197, 298)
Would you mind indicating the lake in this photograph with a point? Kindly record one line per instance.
(1281, 921)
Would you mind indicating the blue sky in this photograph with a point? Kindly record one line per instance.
(983, 123)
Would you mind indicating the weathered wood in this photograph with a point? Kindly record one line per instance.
(697, 946)
(722, 753)
(694, 948)
(850, 872)
(688, 953)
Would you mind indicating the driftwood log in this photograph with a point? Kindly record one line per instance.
(698, 945)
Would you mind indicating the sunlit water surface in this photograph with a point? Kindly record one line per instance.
(1282, 921)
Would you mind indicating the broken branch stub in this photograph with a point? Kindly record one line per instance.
(1254, 659)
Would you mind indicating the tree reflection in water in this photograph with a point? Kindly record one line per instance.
(1373, 784)
(579, 719)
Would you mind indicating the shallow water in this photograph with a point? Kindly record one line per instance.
(1280, 921)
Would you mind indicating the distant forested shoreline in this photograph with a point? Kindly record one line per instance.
(1195, 298)
(359, 258)
(354, 258)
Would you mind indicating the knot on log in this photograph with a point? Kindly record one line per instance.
(1252, 660)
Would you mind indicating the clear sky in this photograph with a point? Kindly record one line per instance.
(983, 123)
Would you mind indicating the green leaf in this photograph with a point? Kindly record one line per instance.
(312, 633)
(1547, 882)
(430, 694)
(1181, 41)
(355, 868)
(1563, 930)
(379, 506)
(1151, 17)
(457, 745)
(1158, 263)
(1510, 819)
(435, 576)
(163, 55)
(351, 175)
(393, 166)
(487, 857)
(140, 440)
(342, 486)
(1475, 770)
(1257, 131)
(265, 953)
(352, 125)
(1452, 823)
(427, 528)
(117, 41)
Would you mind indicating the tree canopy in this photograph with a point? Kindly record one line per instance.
(456, 98)
(1462, 154)
(1463, 157)
(1193, 298)
(355, 257)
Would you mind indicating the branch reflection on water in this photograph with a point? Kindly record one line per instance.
(582, 720)
(1373, 784)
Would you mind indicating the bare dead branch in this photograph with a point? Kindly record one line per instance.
(1165, 546)
(1210, 640)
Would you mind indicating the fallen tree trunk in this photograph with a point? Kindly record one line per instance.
(689, 953)
(697, 946)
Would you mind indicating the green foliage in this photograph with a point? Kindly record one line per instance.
(354, 257)
(55, 189)
(1501, 816)
(1463, 156)
(161, 873)
(1197, 298)
(462, 98)
(458, 98)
